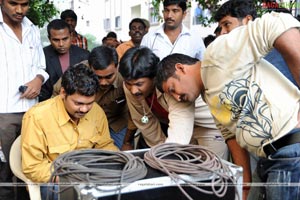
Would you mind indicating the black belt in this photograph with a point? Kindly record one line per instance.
(282, 142)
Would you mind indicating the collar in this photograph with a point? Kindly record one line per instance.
(184, 31)
(25, 22)
(63, 116)
(158, 93)
(119, 79)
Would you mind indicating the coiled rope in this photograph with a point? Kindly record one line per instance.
(194, 160)
(101, 167)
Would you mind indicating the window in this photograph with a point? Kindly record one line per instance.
(118, 22)
(106, 24)
(153, 19)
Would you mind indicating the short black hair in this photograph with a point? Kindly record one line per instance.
(80, 79)
(57, 24)
(111, 34)
(68, 14)
(236, 8)
(208, 39)
(102, 56)
(181, 3)
(137, 20)
(138, 62)
(166, 67)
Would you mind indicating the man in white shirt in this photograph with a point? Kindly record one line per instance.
(254, 105)
(22, 62)
(173, 36)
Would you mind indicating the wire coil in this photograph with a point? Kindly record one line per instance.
(99, 167)
(194, 160)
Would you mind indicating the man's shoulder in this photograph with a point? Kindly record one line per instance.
(126, 43)
(81, 36)
(77, 50)
(48, 49)
(96, 112)
(39, 110)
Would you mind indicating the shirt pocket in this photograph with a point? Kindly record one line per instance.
(95, 139)
(84, 143)
(57, 150)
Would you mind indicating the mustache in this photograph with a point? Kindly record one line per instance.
(169, 19)
(138, 94)
(82, 113)
(18, 15)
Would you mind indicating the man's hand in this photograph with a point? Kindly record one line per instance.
(33, 88)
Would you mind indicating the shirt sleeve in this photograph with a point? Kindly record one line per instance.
(181, 120)
(35, 164)
(39, 58)
(56, 88)
(131, 125)
(104, 141)
(247, 44)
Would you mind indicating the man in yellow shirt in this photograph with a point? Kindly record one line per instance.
(67, 122)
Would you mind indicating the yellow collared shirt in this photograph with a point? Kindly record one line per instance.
(48, 131)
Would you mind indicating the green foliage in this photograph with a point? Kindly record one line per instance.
(92, 41)
(41, 12)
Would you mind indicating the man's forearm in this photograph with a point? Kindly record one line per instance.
(240, 157)
(128, 142)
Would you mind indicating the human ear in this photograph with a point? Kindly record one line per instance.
(62, 93)
(247, 19)
(180, 68)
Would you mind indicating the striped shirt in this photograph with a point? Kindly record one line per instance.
(20, 62)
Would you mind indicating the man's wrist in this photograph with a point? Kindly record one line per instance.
(40, 77)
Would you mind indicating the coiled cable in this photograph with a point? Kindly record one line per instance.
(194, 160)
(100, 167)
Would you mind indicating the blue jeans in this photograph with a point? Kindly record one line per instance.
(118, 137)
(49, 192)
(280, 173)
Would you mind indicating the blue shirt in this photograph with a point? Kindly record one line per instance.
(275, 58)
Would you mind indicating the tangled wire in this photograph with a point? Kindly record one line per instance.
(193, 160)
(100, 167)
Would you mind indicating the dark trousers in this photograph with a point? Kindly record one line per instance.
(10, 128)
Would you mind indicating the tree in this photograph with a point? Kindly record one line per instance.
(92, 41)
(213, 5)
(41, 12)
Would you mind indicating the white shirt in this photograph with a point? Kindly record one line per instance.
(249, 98)
(188, 42)
(19, 64)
